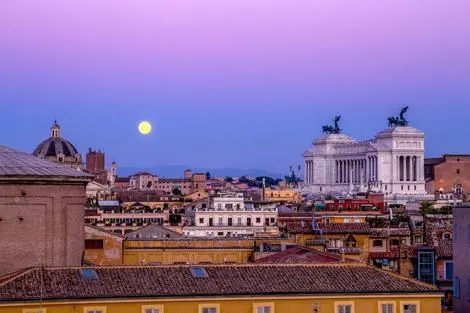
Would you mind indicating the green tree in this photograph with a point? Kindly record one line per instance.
(427, 207)
(228, 179)
(208, 175)
(176, 192)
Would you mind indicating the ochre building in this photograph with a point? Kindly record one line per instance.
(216, 289)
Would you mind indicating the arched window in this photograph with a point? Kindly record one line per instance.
(350, 242)
(458, 189)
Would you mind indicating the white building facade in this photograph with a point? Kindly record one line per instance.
(227, 216)
(392, 163)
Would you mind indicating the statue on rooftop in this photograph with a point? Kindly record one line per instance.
(399, 120)
(328, 129)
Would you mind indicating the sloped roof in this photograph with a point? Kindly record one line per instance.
(346, 228)
(22, 165)
(233, 280)
(301, 255)
(151, 232)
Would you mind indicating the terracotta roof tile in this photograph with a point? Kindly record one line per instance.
(346, 228)
(300, 255)
(171, 281)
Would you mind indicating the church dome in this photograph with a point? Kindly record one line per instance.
(55, 146)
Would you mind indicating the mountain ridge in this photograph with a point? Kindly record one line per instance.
(177, 171)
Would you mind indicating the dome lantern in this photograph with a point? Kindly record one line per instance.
(55, 130)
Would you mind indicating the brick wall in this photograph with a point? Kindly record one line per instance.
(41, 225)
(455, 169)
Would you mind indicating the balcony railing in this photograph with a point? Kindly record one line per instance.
(237, 225)
(345, 250)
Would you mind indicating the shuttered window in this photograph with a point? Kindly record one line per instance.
(410, 308)
(387, 308)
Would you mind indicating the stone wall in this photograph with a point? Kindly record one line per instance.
(41, 225)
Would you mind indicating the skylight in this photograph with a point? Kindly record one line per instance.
(89, 274)
(199, 272)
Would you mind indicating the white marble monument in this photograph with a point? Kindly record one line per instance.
(392, 162)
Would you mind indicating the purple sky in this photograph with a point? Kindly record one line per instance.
(230, 83)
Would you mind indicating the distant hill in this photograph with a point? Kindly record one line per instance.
(177, 171)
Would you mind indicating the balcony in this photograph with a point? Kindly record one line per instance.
(344, 250)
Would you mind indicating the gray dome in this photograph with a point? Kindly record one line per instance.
(54, 146)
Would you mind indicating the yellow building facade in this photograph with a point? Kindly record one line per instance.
(294, 304)
(284, 195)
(104, 248)
(187, 251)
(339, 288)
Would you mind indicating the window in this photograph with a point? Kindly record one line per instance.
(426, 266)
(209, 308)
(417, 239)
(456, 287)
(93, 243)
(458, 171)
(386, 307)
(258, 220)
(401, 187)
(88, 274)
(152, 309)
(263, 308)
(201, 220)
(377, 243)
(198, 272)
(94, 310)
(345, 307)
(410, 308)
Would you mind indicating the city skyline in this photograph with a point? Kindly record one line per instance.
(238, 84)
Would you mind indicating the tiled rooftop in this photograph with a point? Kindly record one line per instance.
(16, 164)
(346, 228)
(305, 226)
(301, 255)
(233, 280)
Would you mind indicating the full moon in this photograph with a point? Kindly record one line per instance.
(145, 128)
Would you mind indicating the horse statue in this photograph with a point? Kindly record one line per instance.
(328, 129)
(403, 121)
(399, 120)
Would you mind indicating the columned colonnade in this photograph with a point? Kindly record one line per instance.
(309, 171)
(410, 168)
(356, 170)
